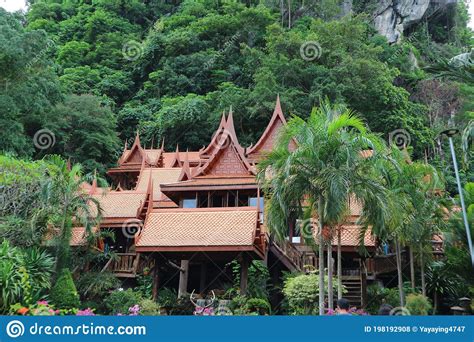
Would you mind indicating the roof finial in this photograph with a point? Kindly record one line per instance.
(137, 139)
(222, 123)
(185, 171)
(163, 145)
(152, 141)
(278, 109)
(230, 123)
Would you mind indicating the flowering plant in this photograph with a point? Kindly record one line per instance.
(352, 311)
(134, 310)
(203, 311)
(40, 308)
(85, 312)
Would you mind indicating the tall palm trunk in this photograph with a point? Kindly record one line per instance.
(412, 269)
(422, 272)
(321, 257)
(63, 247)
(330, 276)
(398, 256)
(339, 264)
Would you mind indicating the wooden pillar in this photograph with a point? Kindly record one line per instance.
(156, 280)
(202, 278)
(183, 278)
(291, 226)
(244, 275)
(363, 281)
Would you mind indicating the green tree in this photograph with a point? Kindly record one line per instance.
(326, 170)
(64, 294)
(68, 204)
(29, 87)
(85, 132)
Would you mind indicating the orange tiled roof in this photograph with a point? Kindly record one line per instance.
(151, 155)
(78, 236)
(159, 176)
(350, 237)
(214, 180)
(168, 157)
(118, 204)
(355, 207)
(199, 228)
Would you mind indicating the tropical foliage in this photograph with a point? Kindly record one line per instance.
(76, 78)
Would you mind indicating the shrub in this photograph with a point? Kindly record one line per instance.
(418, 304)
(182, 307)
(258, 279)
(119, 302)
(149, 307)
(145, 284)
(258, 306)
(24, 275)
(302, 293)
(96, 285)
(380, 295)
(64, 294)
(167, 298)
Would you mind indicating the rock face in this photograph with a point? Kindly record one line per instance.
(393, 16)
(346, 7)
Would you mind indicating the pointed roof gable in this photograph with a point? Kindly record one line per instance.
(185, 171)
(124, 152)
(176, 162)
(207, 151)
(267, 139)
(228, 157)
(136, 153)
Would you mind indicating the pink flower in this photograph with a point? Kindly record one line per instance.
(85, 312)
(42, 302)
(134, 310)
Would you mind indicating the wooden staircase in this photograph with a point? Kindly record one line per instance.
(288, 254)
(352, 281)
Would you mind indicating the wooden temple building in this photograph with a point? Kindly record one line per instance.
(187, 215)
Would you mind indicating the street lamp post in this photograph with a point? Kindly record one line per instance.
(450, 133)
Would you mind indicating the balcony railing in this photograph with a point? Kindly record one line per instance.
(125, 265)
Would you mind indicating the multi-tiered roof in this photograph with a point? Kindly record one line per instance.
(156, 182)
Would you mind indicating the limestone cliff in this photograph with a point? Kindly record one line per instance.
(392, 17)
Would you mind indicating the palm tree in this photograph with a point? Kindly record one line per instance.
(459, 68)
(412, 185)
(327, 166)
(441, 282)
(69, 204)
